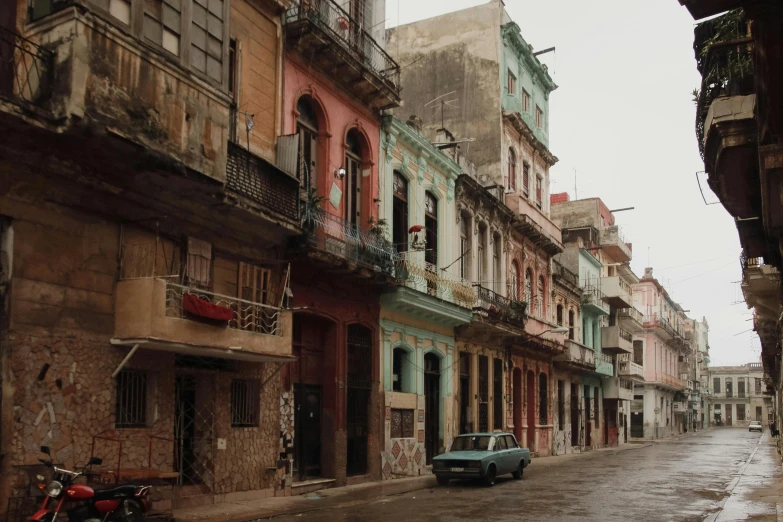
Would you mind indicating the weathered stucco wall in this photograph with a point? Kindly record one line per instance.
(454, 52)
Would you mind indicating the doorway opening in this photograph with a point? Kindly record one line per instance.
(465, 413)
(574, 415)
(531, 410)
(518, 404)
(431, 406)
(194, 429)
(358, 396)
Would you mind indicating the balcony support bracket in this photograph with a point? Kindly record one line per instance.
(125, 360)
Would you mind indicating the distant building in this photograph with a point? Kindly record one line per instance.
(738, 395)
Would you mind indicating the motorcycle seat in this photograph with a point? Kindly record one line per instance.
(115, 493)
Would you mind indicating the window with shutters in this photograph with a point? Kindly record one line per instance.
(512, 171)
(741, 388)
(716, 385)
(540, 308)
(571, 325)
(729, 387)
(199, 262)
(526, 180)
(525, 101)
(559, 315)
(400, 212)
(353, 178)
(511, 87)
(464, 259)
(528, 286)
(539, 191)
(307, 128)
(482, 251)
(758, 386)
(431, 227)
(638, 352)
(539, 117)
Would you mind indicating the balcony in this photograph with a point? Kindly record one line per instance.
(629, 369)
(152, 313)
(25, 70)
(725, 112)
(679, 407)
(661, 326)
(760, 284)
(534, 224)
(604, 365)
(618, 293)
(615, 245)
(346, 247)
(576, 357)
(616, 340)
(263, 187)
(631, 319)
(327, 37)
(412, 270)
(620, 389)
(593, 300)
(497, 307)
(673, 381)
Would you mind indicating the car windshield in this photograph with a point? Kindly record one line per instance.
(756, 423)
(471, 442)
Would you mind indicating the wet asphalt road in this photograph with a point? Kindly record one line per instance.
(716, 475)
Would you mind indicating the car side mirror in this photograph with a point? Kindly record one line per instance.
(95, 460)
(45, 449)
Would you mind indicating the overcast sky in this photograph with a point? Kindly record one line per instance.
(623, 117)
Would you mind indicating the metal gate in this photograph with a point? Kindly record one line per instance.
(194, 429)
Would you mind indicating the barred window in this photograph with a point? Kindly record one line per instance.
(131, 406)
(245, 403)
(401, 424)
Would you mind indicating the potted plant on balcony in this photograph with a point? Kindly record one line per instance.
(312, 206)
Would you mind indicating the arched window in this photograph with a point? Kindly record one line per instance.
(540, 297)
(513, 286)
(403, 376)
(307, 128)
(571, 324)
(353, 177)
(528, 286)
(431, 227)
(512, 170)
(543, 413)
(400, 212)
(559, 315)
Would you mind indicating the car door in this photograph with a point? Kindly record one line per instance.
(514, 452)
(501, 454)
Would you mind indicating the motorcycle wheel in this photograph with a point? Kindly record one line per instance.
(131, 511)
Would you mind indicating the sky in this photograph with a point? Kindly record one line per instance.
(623, 118)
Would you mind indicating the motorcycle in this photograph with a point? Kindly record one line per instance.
(81, 503)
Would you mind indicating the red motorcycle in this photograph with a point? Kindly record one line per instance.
(81, 503)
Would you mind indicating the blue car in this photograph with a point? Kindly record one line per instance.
(481, 456)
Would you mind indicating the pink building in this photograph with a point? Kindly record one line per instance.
(658, 408)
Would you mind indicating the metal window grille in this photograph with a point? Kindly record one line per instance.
(401, 424)
(131, 407)
(245, 403)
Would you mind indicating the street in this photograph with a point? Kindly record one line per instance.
(718, 475)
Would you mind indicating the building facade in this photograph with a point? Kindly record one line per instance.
(146, 314)
(738, 396)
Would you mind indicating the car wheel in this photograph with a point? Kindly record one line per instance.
(520, 470)
(489, 478)
(443, 481)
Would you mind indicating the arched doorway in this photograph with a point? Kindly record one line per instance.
(431, 405)
(359, 380)
(517, 384)
(313, 339)
(531, 410)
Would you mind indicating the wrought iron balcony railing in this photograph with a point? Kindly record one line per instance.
(334, 235)
(562, 272)
(25, 69)
(500, 307)
(724, 55)
(262, 182)
(339, 26)
(412, 269)
(629, 368)
(247, 315)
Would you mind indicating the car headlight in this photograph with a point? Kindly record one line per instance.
(54, 489)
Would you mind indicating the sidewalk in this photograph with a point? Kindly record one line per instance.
(244, 511)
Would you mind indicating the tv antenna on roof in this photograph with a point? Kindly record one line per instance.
(442, 105)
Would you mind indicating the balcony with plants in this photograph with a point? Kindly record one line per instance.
(344, 49)
(726, 128)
